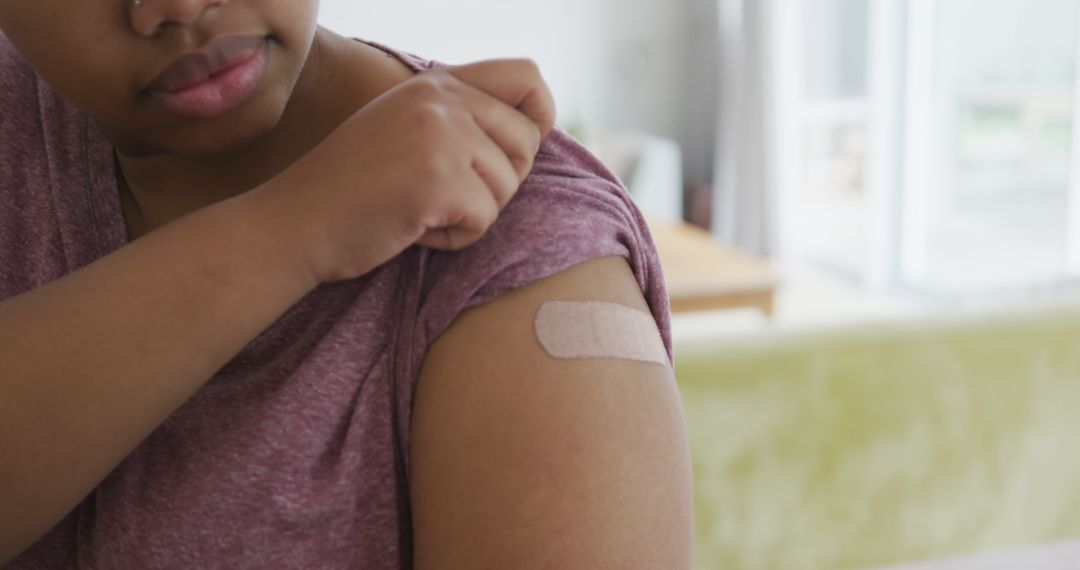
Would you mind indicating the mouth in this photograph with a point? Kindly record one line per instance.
(208, 83)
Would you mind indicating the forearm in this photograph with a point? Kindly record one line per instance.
(91, 363)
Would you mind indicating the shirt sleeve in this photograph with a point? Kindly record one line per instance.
(570, 209)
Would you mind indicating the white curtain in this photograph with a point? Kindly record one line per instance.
(699, 115)
(745, 209)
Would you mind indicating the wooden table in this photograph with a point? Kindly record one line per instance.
(702, 273)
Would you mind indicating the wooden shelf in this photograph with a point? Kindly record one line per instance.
(702, 273)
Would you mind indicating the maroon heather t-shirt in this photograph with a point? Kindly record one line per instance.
(295, 454)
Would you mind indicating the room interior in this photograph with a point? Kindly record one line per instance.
(867, 214)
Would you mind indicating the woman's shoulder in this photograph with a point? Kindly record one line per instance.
(570, 209)
(33, 114)
(568, 187)
(8, 55)
(411, 60)
(568, 193)
(18, 81)
(559, 156)
(21, 130)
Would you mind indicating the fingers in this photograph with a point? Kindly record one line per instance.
(511, 111)
(478, 211)
(499, 173)
(516, 82)
(513, 132)
(487, 187)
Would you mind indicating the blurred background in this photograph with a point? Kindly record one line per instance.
(892, 155)
(868, 212)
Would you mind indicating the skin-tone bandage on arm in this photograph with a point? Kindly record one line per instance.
(591, 329)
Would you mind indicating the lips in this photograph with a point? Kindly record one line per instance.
(222, 54)
(208, 84)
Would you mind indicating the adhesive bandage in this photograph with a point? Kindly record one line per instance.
(591, 329)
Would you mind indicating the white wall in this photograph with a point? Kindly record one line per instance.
(611, 63)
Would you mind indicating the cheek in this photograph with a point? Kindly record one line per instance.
(293, 24)
(294, 21)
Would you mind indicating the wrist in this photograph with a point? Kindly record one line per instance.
(274, 225)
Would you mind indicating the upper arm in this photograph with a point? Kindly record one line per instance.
(521, 460)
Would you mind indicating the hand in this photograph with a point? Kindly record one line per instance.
(431, 161)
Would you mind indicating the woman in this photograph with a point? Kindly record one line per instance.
(268, 298)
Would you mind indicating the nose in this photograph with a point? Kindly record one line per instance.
(150, 16)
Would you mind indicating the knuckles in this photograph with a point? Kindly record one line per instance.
(432, 118)
(529, 66)
(441, 158)
(433, 87)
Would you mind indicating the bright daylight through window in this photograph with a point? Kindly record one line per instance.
(932, 142)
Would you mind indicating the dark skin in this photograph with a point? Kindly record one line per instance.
(168, 165)
(519, 460)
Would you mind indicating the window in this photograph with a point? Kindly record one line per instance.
(932, 141)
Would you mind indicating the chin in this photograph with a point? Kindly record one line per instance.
(220, 144)
(221, 136)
